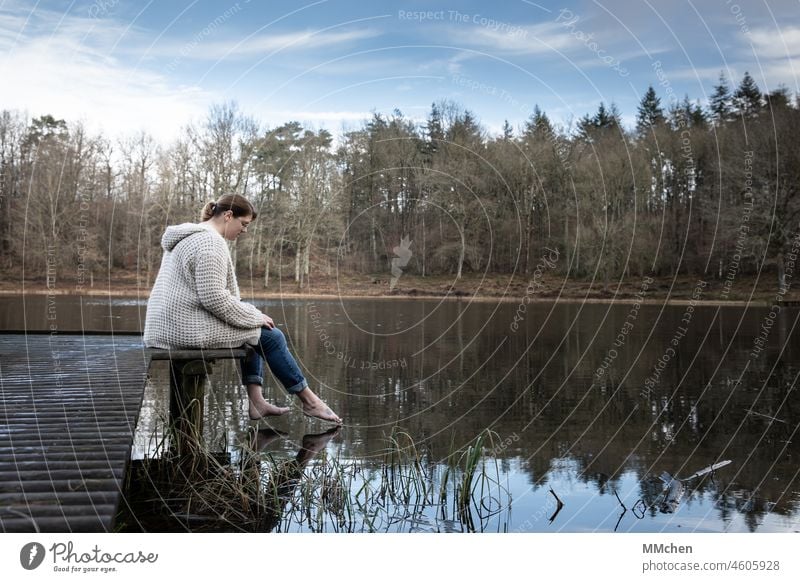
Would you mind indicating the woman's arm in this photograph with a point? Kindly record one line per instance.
(211, 277)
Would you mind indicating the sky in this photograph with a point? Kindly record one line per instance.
(123, 66)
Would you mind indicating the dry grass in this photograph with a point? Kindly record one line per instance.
(320, 491)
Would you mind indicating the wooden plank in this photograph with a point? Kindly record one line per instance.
(68, 411)
(60, 498)
(157, 354)
(57, 524)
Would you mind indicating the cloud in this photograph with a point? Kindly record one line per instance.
(572, 36)
(65, 68)
(535, 39)
(203, 48)
(317, 116)
(77, 67)
(768, 43)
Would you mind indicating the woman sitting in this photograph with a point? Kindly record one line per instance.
(195, 303)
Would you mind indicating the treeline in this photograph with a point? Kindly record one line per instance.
(707, 191)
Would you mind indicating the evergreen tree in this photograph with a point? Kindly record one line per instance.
(46, 127)
(607, 118)
(538, 125)
(698, 117)
(603, 120)
(508, 131)
(434, 129)
(747, 98)
(778, 99)
(687, 114)
(720, 103)
(465, 129)
(650, 114)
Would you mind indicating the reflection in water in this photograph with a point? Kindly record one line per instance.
(288, 474)
(209, 492)
(577, 407)
(255, 491)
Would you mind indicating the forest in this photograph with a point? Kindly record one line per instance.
(707, 190)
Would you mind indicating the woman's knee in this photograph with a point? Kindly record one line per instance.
(272, 337)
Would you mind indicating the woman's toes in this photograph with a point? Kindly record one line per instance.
(322, 412)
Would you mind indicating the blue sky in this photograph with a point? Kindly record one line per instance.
(122, 66)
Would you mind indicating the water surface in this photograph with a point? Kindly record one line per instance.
(592, 401)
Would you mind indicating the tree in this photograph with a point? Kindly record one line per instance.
(590, 128)
(12, 131)
(719, 104)
(508, 131)
(650, 114)
(311, 190)
(434, 129)
(747, 98)
(778, 99)
(226, 141)
(452, 181)
(538, 126)
(542, 179)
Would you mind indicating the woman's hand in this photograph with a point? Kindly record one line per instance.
(267, 322)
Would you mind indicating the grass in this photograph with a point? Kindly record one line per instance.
(319, 490)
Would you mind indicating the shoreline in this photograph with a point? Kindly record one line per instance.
(518, 288)
(623, 299)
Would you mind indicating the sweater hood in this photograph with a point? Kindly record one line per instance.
(175, 234)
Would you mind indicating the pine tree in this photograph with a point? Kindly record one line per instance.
(606, 118)
(747, 98)
(650, 114)
(720, 103)
(538, 125)
(435, 129)
(687, 114)
(602, 121)
(779, 98)
(698, 116)
(508, 131)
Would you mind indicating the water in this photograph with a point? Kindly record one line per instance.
(591, 401)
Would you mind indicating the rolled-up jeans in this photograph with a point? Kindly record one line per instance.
(272, 348)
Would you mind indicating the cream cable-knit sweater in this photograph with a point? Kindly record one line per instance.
(195, 302)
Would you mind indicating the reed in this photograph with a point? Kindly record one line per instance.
(406, 491)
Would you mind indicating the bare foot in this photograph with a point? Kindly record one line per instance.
(261, 438)
(320, 411)
(314, 443)
(264, 409)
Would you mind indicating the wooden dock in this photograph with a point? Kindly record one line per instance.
(68, 411)
(69, 404)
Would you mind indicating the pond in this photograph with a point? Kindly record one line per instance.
(586, 417)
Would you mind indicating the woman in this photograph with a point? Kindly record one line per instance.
(195, 303)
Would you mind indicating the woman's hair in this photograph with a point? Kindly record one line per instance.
(235, 202)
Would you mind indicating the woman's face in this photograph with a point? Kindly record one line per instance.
(234, 226)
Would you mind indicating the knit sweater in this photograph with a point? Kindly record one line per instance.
(195, 302)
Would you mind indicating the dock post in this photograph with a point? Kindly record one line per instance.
(186, 397)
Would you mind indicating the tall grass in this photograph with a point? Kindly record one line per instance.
(406, 490)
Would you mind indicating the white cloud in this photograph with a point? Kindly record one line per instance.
(534, 39)
(771, 57)
(769, 43)
(202, 48)
(321, 116)
(69, 72)
(90, 69)
(80, 68)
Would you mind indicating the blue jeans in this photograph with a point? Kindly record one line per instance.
(272, 348)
